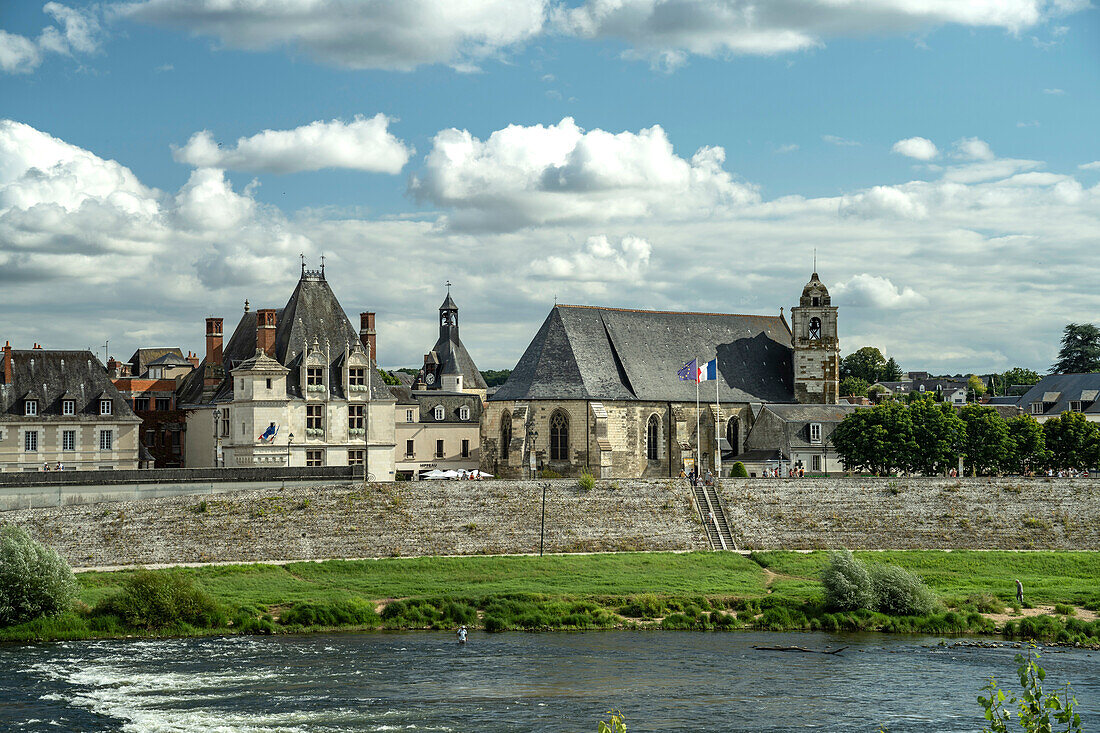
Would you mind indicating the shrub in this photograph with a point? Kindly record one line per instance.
(847, 583)
(154, 600)
(549, 473)
(352, 612)
(985, 603)
(900, 593)
(587, 481)
(34, 580)
(739, 470)
(1063, 609)
(644, 606)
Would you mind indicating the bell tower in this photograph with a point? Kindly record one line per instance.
(816, 346)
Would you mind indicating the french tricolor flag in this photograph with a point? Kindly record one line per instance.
(708, 371)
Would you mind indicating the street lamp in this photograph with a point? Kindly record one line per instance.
(217, 436)
(289, 442)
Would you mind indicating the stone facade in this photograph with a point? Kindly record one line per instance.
(816, 346)
(609, 440)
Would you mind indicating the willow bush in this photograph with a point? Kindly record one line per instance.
(34, 580)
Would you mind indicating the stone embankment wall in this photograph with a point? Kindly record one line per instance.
(386, 519)
(459, 517)
(904, 513)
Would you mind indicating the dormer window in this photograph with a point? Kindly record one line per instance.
(464, 413)
(356, 376)
(30, 408)
(1037, 408)
(1075, 406)
(68, 407)
(815, 432)
(409, 416)
(104, 407)
(315, 379)
(437, 413)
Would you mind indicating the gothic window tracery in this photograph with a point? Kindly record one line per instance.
(505, 434)
(652, 435)
(559, 436)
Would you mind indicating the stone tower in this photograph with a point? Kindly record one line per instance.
(816, 346)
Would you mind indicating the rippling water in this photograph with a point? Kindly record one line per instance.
(662, 681)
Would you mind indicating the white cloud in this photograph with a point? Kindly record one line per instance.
(920, 148)
(75, 31)
(1093, 166)
(371, 34)
(971, 148)
(788, 148)
(1033, 123)
(872, 291)
(363, 144)
(840, 141)
(524, 176)
(1054, 91)
(923, 269)
(669, 29)
(598, 260)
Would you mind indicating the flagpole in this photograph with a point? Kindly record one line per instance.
(698, 442)
(717, 424)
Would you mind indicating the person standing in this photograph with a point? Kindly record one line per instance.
(462, 633)
(1019, 591)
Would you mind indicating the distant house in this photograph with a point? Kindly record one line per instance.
(59, 407)
(952, 391)
(149, 382)
(1058, 393)
(793, 436)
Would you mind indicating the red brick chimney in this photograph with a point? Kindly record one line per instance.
(265, 330)
(8, 378)
(112, 367)
(214, 341)
(367, 334)
(193, 359)
(212, 375)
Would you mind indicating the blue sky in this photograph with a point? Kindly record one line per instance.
(924, 250)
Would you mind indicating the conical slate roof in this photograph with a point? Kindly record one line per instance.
(584, 352)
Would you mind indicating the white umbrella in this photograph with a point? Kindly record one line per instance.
(450, 474)
(435, 473)
(482, 474)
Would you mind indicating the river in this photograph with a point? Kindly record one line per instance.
(515, 682)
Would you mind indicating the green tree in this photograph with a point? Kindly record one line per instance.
(877, 440)
(987, 440)
(739, 470)
(495, 377)
(388, 377)
(866, 363)
(891, 372)
(1036, 710)
(34, 580)
(1073, 441)
(1026, 448)
(975, 386)
(1017, 376)
(1080, 351)
(938, 437)
(853, 386)
(846, 582)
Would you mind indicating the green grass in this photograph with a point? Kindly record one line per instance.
(1048, 577)
(691, 590)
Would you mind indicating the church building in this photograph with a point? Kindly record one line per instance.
(598, 390)
(293, 386)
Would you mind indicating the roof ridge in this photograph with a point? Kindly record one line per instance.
(669, 313)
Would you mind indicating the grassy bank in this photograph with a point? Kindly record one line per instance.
(770, 590)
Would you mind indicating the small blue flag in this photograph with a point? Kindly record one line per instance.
(689, 372)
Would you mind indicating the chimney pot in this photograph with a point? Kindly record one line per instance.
(265, 330)
(8, 379)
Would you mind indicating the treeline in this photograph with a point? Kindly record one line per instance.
(924, 437)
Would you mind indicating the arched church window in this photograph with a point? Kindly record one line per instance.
(733, 434)
(559, 436)
(652, 435)
(815, 301)
(815, 328)
(505, 434)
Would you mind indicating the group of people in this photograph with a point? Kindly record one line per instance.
(693, 477)
(58, 467)
(1067, 473)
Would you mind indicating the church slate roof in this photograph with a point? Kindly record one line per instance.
(312, 314)
(588, 352)
(1056, 391)
(48, 375)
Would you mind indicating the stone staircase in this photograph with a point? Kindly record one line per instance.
(714, 519)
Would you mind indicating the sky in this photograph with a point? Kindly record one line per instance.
(162, 161)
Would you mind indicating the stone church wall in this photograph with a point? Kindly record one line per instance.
(455, 517)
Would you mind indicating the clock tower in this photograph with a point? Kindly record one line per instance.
(448, 366)
(816, 346)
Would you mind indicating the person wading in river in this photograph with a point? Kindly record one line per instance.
(462, 635)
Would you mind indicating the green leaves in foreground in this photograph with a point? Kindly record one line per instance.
(617, 724)
(34, 580)
(1036, 711)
